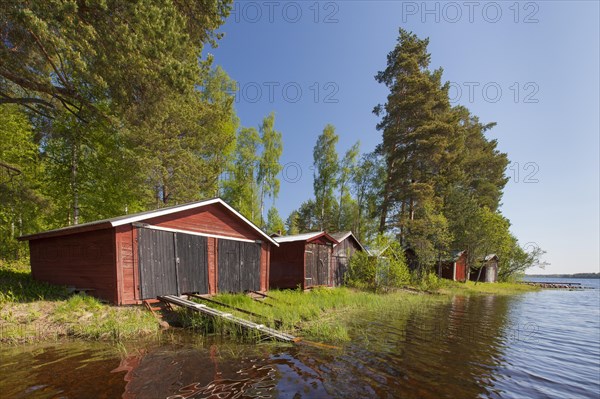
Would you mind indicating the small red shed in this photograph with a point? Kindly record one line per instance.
(302, 260)
(203, 247)
(454, 268)
(347, 245)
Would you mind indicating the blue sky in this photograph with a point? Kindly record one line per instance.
(532, 67)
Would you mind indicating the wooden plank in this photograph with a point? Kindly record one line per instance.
(201, 308)
(278, 323)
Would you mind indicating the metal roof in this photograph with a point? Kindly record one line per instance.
(304, 237)
(342, 235)
(136, 217)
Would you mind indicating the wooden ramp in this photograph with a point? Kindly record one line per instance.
(201, 308)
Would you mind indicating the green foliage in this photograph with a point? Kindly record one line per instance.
(252, 174)
(118, 111)
(384, 268)
(72, 56)
(274, 222)
(347, 211)
(367, 185)
(17, 285)
(444, 178)
(427, 281)
(307, 217)
(362, 271)
(417, 138)
(519, 259)
(20, 189)
(268, 164)
(291, 223)
(240, 189)
(325, 160)
(429, 235)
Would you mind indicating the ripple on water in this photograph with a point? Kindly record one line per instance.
(543, 344)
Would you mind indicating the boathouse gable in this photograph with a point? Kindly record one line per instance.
(302, 261)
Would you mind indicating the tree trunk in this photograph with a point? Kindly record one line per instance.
(74, 181)
(402, 228)
(385, 205)
(262, 205)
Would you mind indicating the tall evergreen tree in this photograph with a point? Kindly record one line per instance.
(274, 222)
(417, 133)
(78, 56)
(291, 223)
(307, 217)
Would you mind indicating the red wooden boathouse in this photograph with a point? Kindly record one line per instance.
(203, 247)
(455, 268)
(302, 260)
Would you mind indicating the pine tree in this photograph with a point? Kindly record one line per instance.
(291, 223)
(274, 222)
(417, 134)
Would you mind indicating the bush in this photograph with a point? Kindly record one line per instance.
(386, 269)
(428, 282)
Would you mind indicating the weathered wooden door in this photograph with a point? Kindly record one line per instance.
(491, 273)
(157, 263)
(171, 263)
(340, 266)
(193, 263)
(317, 265)
(239, 266)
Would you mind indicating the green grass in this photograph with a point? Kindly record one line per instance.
(32, 310)
(79, 316)
(321, 314)
(17, 285)
(85, 317)
(471, 288)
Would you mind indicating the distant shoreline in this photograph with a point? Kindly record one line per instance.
(575, 275)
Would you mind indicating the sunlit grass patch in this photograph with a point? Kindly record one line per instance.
(17, 285)
(86, 317)
(472, 288)
(322, 314)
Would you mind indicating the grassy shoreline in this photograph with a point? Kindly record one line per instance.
(32, 311)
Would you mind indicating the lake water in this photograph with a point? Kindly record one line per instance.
(535, 345)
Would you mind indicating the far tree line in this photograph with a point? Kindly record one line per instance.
(103, 112)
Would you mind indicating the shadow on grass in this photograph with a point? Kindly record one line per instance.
(18, 286)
